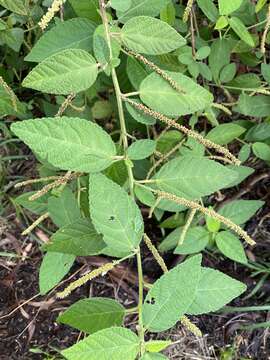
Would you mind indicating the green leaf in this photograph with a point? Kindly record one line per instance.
(257, 106)
(242, 171)
(209, 9)
(231, 246)
(63, 209)
(240, 211)
(78, 238)
(148, 198)
(38, 206)
(261, 150)
(155, 346)
(75, 33)
(114, 214)
(16, 6)
(142, 7)
(94, 314)
(203, 53)
(53, 268)
(158, 94)
(147, 35)
(221, 23)
(259, 132)
(13, 38)
(213, 225)
(228, 73)
(219, 56)
(141, 149)
(136, 72)
(265, 70)
(226, 7)
(86, 8)
(215, 290)
(171, 295)
(68, 71)
(193, 177)
(196, 240)
(225, 133)
(121, 5)
(109, 344)
(240, 29)
(68, 143)
(139, 115)
(168, 14)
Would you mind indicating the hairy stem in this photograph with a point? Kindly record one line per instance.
(124, 139)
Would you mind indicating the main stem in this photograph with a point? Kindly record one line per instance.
(124, 139)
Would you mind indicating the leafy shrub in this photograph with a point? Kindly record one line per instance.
(163, 74)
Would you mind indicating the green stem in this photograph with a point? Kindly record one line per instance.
(124, 139)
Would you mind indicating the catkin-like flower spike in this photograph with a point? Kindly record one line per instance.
(223, 108)
(187, 10)
(186, 227)
(267, 26)
(210, 212)
(53, 9)
(35, 223)
(87, 277)
(10, 92)
(60, 181)
(190, 326)
(155, 253)
(159, 71)
(65, 104)
(35, 181)
(193, 134)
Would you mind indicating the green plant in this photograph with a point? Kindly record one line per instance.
(116, 60)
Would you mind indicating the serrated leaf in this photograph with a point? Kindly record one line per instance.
(78, 238)
(193, 177)
(219, 56)
(114, 214)
(240, 29)
(155, 346)
(171, 295)
(141, 149)
(94, 314)
(158, 94)
(226, 7)
(225, 133)
(63, 209)
(53, 268)
(231, 246)
(142, 7)
(109, 344)
(68, 143)
(68, 71)
(151, 36)
(16, 6)
(75, 33)
(240, 211)
(214, 290)
(38, 206)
